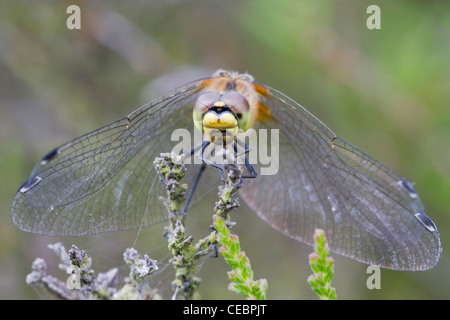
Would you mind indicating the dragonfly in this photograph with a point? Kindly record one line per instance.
(105, 181)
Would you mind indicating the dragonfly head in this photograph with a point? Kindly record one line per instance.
(224, 112)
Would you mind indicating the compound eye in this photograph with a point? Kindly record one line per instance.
(236, 102)
(202, 105)
(240, 106)
(206, 101)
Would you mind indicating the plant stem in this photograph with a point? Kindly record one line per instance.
(241, 275)
(323, 267)
(185, 255)
(171, 169)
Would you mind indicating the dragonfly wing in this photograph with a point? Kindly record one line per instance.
(369, 212)
(104, 180)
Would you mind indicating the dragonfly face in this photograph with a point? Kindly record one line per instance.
(105, 181)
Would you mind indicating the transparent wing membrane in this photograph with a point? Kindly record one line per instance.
(368, 211)
(105, 180)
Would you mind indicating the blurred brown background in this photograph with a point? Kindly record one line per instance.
(385, 91)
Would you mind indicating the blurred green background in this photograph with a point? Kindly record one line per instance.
(385, 91)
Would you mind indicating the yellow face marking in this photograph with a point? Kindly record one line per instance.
(219, 104)
(221, 121)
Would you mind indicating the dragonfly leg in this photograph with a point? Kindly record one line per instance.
(251, 171)
(197, 179)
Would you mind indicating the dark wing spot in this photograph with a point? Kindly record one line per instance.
(49, 156)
